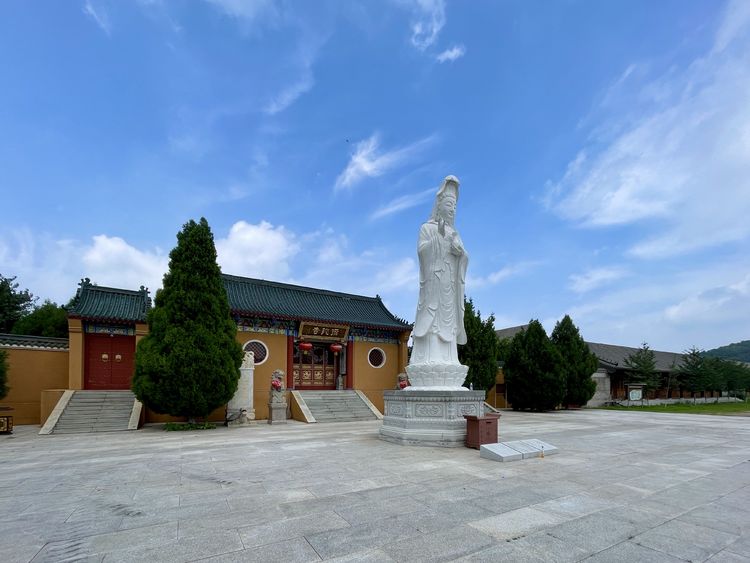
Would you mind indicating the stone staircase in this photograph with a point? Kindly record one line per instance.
(337, 406)
(96, 411)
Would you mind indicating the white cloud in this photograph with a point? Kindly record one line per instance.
(110, 261)
(452, 54)
(682, 164)
(429, 21)
(99, 16)
(368, 161)
(728, 303)
(260, 251)
(597, 277)
(736, 20)
(289, 95)
(504, 273)
(402, 203)
(246, 10)
(52, 268)
(706, 306)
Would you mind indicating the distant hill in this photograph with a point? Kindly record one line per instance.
(737, 351)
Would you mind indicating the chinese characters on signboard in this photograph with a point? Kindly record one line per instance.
(318, 331)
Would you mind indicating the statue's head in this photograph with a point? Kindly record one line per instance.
(445, 201)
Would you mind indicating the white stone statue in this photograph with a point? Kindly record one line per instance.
(248, 360)
(439, 324)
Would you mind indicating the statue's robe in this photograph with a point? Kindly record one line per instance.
(439, 324)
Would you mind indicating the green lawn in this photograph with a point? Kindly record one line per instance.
(708, 408)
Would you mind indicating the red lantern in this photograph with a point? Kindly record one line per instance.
(336, 348)
(305, 346)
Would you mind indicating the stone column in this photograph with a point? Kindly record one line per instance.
(240, 409)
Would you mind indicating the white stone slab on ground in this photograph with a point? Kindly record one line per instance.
(526, 449)
(548, 449)
(499, 452)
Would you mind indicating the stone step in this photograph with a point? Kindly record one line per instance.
(96, 411)
(337, 406)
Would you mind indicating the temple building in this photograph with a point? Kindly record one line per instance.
(323, 341)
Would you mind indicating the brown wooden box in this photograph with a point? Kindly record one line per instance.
(6, 423)
(481, 430)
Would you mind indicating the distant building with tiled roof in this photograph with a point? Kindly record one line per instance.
(612, 375)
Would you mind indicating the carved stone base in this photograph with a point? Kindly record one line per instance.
(277, 413)
(429, 418)
(443, 377)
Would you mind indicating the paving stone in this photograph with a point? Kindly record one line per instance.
(291, 528)
(297, 550)
(439, 546)
(358, 538)
(535, 548)
(594, 532)
(516, 523)
(614, 482)
(728, 556)
(628, 552)
(686, 541)
(368, 556)
(574, 505)
(719, 517)
(183, 549)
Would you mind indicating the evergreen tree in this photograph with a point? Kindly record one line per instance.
(533, 374)
(578, 362)
(692, 371)
(47, 320)
(14, 304)
(642, 367)
(188, 364)
(715, 375)
(480, 350)
(3, 374)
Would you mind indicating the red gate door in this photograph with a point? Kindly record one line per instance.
(123, 352)
(109, 361)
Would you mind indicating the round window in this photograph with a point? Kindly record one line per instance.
(258, 349)
(376, 357)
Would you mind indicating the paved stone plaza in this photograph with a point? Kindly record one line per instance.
(624, 487)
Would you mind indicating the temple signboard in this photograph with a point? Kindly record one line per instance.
(320, 331)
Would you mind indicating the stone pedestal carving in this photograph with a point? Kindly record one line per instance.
(241, 409)
(277, 408)
(429, 418)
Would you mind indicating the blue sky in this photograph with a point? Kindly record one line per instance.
(603, 150)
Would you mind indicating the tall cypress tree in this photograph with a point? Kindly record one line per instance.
(578, 362)
(188, 364)
(480, 350)
(534, 378)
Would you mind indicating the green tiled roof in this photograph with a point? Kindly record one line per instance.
(253, 297)
(25, 341)
(94, 302)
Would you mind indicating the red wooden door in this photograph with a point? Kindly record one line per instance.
(109, 361)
